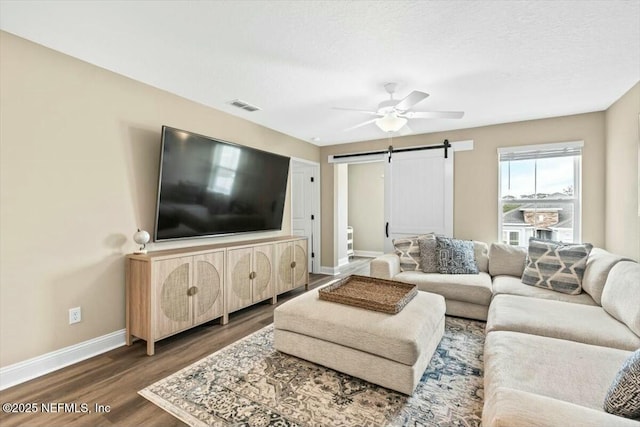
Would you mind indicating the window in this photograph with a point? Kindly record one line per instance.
(539, 192)
(224, 175)
(511, 237)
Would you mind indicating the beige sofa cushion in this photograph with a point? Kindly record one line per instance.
(513, 286)
(565, 370)
(467, 310)
(516, 408)
(399, 337)
(621, 295)
(506, 260)
(599, 264)
(385, 266)
(588, 324)
(481, 252)
(473, 288)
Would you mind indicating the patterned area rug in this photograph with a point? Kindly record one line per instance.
(250, 384)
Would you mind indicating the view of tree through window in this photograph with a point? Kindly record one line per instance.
(538, 194)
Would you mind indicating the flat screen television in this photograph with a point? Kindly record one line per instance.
(209, 187)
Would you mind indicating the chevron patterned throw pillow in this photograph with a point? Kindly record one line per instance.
(556, 266)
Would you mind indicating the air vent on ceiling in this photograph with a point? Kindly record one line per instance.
(244, 105)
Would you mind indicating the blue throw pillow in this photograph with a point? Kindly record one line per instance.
(455, 256)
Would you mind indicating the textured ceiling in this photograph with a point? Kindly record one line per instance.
(499, 61)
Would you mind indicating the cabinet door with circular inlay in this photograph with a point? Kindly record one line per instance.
(172, 279)
(300, 263)
(239, 276)
(263, 267)
(207, 286)
(284, 257)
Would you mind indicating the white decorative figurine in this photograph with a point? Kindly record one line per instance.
(141, 237)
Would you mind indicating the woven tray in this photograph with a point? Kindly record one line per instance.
(370, 293)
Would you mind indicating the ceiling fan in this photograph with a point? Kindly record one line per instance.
(392, 115)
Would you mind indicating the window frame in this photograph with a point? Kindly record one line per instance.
(577, 182)
(508, 239)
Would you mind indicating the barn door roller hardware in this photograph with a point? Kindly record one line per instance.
(446, 145)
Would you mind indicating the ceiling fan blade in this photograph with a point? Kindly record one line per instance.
(405, 130)
(374, 113)
(410, 100)
(360, 125)
(434, 114)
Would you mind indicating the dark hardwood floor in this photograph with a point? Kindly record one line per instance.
(113, 379)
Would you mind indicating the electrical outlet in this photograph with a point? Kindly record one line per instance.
(75, 315)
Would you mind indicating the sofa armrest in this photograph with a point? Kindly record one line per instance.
(385, 266)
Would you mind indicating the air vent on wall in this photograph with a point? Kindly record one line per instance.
(244, 105)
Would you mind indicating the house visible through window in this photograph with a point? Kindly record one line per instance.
(539, 192)
(511, 237)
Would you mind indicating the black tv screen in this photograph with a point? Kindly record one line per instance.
(210, 187)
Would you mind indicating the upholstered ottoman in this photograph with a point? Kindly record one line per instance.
(391, 350)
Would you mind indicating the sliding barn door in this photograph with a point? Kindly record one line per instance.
(418, 195)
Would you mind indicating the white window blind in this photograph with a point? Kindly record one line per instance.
(540, 154)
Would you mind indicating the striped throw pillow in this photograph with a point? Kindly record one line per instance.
(408, 250)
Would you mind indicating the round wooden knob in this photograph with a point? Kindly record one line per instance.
(192, 291)
(293, 264)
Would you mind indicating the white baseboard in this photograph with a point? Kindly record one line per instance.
(36, 367)
(332, 271)
(368, 254)
(343, 261)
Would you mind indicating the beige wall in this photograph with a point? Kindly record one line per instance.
(79, 167)
(476, 172)
(79, 149)
(366, 206)
(622, 180)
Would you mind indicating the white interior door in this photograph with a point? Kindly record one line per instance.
(304, 215)
(418, 194)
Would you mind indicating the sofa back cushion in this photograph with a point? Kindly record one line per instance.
(481, 253)
(621, 294)
(506, 260)
(599, 264)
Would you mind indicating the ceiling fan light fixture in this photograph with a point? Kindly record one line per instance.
(391, 122)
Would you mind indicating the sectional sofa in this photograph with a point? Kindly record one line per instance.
(550, 357)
